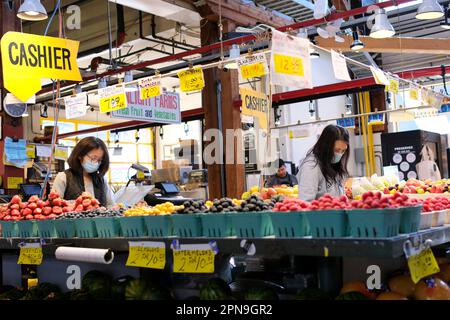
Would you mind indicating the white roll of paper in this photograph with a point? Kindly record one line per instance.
(103, 256)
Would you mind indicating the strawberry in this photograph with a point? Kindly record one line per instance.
(57, 210)
(22, 205)
(40, 204)
(37, 211)
(15, 206)
(15, 200)
(57, 202)
(29, 217)
(15, 213)
(86, 203)
(33, 199)
(32, 206)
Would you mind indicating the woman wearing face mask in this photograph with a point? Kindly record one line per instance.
(88, 162)
(325, 166)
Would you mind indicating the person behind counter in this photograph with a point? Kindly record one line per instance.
(325, 166)
(282, 177)
(88, 162)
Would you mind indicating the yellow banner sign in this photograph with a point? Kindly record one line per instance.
(112, 98)
(14, 182)
(150, 87)
(253, 66)
(61, 153)
(288, 65)
(147, 255)
(31, 151)
(30, 253)
(414, 94)
(255, 104)
(27, 58)
(193, 261)
(422, 265)
(191, 80)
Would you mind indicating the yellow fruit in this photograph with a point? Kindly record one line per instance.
(254, 189)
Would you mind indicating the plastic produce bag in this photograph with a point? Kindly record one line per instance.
(377, 182)
(427, 167)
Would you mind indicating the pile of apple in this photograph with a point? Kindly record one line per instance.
(375, 200)
(435, 204)
(34, 208)
(86, 202)
(328, 202)
(290, 204)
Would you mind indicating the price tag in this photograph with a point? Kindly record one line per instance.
(112, 98)
(14, 182)
(76, 106)
(30, 253)
(31, 151)
(253, 66)
(191, 80)
(288, 65)
(150, 87)
(393, 86)
(147, 255)
(379, 76)
(422, 265)
(193, 259)
(61, 153)
(414, 94)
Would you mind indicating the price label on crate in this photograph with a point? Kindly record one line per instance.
(150, 87)
(253, 66)
(112, 98)
(422, 265)
(191, 80)
(30, 253)
(146, 254)
(193, 259)
(288, 65)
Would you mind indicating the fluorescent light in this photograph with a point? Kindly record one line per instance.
(382, 27)
(429, 9)
(32, 10)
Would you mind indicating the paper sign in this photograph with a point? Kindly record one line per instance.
(14, 182)
(30, 253)
(149, 87)
(193, 259)
(346, 122)
(379, 76)
(61, 153)
(31, 151)
(191, 80)
(339, 66)
(112, 98)
(414, 94)
(147, 255)
(422, 265)
(28, 58)
(252, 66)
(15, 150)
(76, 106)
(290, 61)
(255, 104)
(43, 151)
(393, 86)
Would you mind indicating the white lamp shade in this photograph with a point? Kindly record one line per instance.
(32, 10)
(382, 27)
(429, 9)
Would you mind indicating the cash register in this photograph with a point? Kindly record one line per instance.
(163, 192)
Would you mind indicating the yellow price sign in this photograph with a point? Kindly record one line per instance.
(252, 70)
(61, 153)
(288, 65)
(191, 80)
(147, 255)
(30, 253)
(422, 265)
(31, 151)
(149, 88)
(14, 182)
(414, 94)
(193, 261)
(393, 86)
(112, 98)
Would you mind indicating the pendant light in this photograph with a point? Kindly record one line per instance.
(357, 44)
(235, 52)
(128, 77)
(382, 27)
(446, 23)
(313, 54)
(429, 9)
(32, 10)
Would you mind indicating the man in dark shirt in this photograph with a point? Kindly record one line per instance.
(281, 177)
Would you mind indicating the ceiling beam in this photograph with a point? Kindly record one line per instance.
(305, 3)
(391, 45)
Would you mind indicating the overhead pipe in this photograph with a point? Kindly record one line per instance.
(173, 41)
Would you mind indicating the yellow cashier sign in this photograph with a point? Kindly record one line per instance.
(255, 104)
(27, 58)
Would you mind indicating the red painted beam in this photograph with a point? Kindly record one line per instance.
(129, 124)
(208, 48)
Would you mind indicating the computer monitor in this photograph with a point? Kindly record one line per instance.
(167, 187)
(30, 189)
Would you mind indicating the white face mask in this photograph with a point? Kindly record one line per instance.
(90, 167)
(337, 157)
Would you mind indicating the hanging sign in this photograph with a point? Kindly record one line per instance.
(195, 258)
(422, 265)
(27, 58)
(339, 66)
(75, 106)
(252, 66)
(379, 76)
(255, 104)
(290, 61)
(414, 94)
(346, 122)
(112, 98)
(61, 153)
(376, 119)
(150, 87)
(393, 86)
(31, 151)
(161, 109)
(44, 151)
(14, 182)
(191, 79)
(30, 253)
(146, 254)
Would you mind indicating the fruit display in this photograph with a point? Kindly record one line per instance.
(432, 288)
(260, 294)
(101, 212)
(435, 204)
(215, 289)
(192, 206)
(255, 204)
(85, 202)
(355, 187)
(165, 208)
(328, 202)
(138, 289)
(224, 205)
(375, 200)
(34, 208)
(289, 204)
(268, 193)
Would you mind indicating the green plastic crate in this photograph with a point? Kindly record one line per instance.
(159, 226)
(133, 227)
(252, 224)
(9, 229)
(85, 228)
(187, 225)
(374, 223)
(65, 228)
(47, 229)
(290, 224)
(327, 223)
(410, 219)
(27, 228)
(217, 225)
(108, 227)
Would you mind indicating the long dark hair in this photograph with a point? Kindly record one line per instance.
(323, 152)
(82, 148)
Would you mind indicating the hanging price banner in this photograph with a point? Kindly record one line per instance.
(414, 94)
(31, 151)
(379, 76)
(147, 255)
(193, 259)
(30, 253)
(112, 98)
(393, 86)
(150, 87)
(61, 153)
(288, 65)
(253, 66)
(422, 265)
(191, 80)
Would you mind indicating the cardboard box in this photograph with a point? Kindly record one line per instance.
(188, 142)
(166, 164)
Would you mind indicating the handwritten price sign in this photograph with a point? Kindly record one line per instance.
(112, 98)
(193, 261)
(30, 253)
(253, 66)
(147, 255)
(414, 94)
(288, 65)
(393, 86)
(422, 265)
(149, 88)
(191, 80)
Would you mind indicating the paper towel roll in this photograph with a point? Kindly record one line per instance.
(104, 256)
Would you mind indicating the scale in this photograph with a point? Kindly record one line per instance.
(164, 192)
